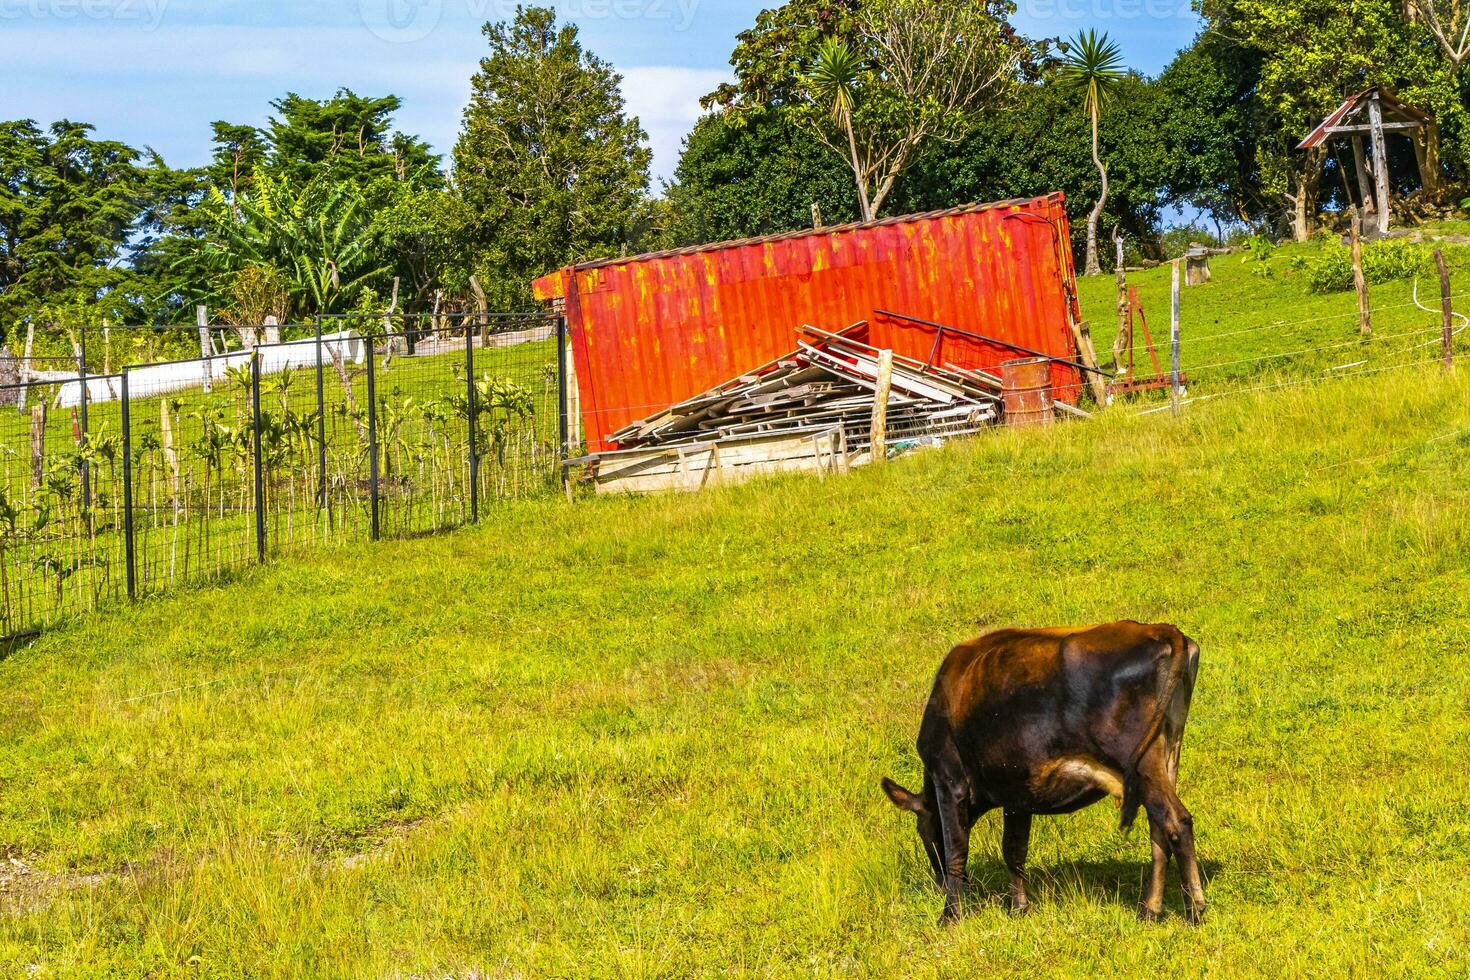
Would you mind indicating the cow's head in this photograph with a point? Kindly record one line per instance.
(928, 823)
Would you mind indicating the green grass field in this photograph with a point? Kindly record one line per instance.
(644, 737)
(1257, 324)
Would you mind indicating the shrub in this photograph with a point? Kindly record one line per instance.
(1396, 258)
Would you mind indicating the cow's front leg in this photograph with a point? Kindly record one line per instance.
(954, 830)
(1015, 841)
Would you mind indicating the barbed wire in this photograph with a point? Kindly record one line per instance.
(1195, 341)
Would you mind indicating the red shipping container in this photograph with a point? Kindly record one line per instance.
(650, 331)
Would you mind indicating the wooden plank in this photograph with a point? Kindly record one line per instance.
(1380, 160)
(1360, 128)
(809, 452)
(878, 433)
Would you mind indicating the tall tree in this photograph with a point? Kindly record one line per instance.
(349, 137)
(1448, 21)
(69, 204)
(548, 160)
(1092, 68)
(915, 73)
(239, 153)
(755, 172)
(1042, 144)
(1210, 130)
(1312, 54)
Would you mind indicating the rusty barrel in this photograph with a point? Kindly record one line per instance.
(1026, 391)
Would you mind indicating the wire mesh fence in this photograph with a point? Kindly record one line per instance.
(348, 429)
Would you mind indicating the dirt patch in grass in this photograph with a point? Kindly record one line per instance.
(23, 887)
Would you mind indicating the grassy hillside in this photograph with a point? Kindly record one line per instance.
(644, 737)
(1259, 322)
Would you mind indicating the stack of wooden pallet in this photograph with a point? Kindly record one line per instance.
(809, 410)
(829, 381)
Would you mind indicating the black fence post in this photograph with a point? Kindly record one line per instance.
(86, 467)
(564, 422)
(372, 395)
(259, 460)
(321, 417)
(472, 410)
(129, 543)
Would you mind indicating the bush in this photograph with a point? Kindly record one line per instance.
(1176, 241)
(1396, 258)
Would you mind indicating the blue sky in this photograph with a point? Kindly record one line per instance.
(158, 72)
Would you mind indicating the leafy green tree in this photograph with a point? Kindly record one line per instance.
(769, 57)
(69, 204)
(1092, 68)
(1314, 53)
(349, 138)
(239, 154)
(916, 72)
(317, 236)
(1041, 144)
(755, 172)
(549, 163)
(424, 229)
(1448, 22)
(343, 154)
(1209, 129)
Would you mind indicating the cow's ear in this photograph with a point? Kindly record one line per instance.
(902, 798)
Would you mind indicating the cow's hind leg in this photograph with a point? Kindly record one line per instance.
(1171, 830)
(1015, 841)
(1152, 909)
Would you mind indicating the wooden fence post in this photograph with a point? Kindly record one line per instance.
(878, 448)
(38, 444)
(1380, 161)
(25, 365)
(206, 346)
(1122, 277)
(1360, 281)
(1174, 392)
(1447, 337)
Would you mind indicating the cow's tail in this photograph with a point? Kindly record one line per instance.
(1174, 672)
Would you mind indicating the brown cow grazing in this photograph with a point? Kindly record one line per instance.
(1050, 721)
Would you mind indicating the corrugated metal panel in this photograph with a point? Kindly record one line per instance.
(653, 330)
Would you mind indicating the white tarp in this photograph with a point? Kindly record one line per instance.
(158, 379)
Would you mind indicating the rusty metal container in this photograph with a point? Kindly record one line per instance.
(649, 331)
(1026, 392)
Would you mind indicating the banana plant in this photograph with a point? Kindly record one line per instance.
(317, 234)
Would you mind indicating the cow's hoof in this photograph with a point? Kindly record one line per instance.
(949, 917)
(1018, 909)
(1147, 914)
(1194, 916)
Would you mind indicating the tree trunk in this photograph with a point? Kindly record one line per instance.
(1304, 202)
(864, 205)
(1092, 267)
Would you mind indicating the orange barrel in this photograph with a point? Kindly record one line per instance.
(1026, 391)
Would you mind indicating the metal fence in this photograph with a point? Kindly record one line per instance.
(127, 484)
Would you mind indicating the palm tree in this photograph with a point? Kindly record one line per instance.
(1093, 67)
(833, 79)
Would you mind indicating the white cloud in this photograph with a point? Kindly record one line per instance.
(666, 102)
(179, 79)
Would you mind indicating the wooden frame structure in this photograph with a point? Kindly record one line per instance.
(1128, 381)
(1374, 113)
